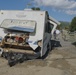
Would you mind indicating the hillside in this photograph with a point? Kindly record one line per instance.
(64, 24)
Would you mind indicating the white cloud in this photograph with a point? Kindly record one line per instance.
(59, 4)
(71, 12)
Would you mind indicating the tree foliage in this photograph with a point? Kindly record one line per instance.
(73, 25)
(64, 25)
(59, 27)
(35, 8)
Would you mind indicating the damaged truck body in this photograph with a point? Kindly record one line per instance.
(25, 34)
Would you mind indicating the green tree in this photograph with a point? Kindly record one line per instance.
(59, 27)
(35, 8)
(73, 25)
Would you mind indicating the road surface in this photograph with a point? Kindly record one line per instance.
(60, 61)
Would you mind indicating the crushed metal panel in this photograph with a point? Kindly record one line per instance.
(20, 25)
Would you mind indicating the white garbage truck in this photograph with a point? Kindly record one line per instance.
(25, 34)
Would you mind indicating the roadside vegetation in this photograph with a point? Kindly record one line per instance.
(70, 28)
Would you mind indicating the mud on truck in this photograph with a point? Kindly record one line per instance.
(25, 34)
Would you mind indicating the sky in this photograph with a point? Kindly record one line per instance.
(61, 10)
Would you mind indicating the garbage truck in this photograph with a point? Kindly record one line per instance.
(25, 34)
